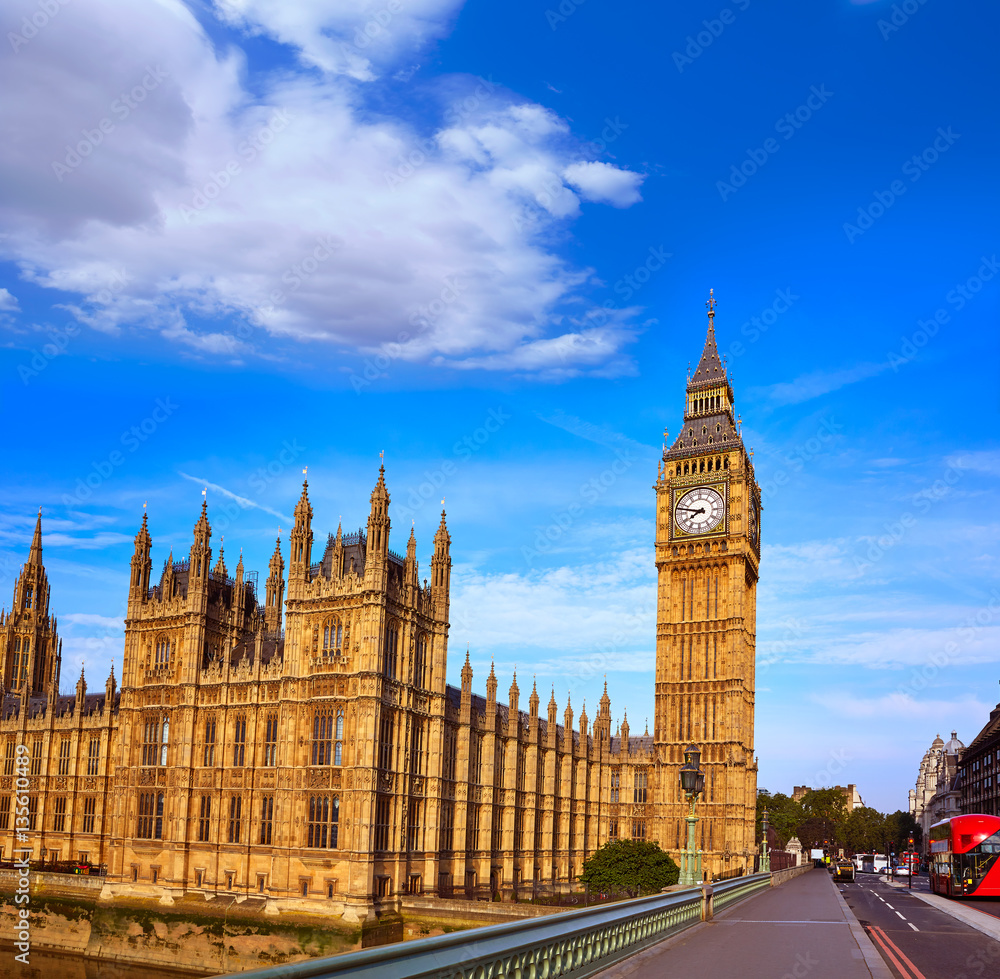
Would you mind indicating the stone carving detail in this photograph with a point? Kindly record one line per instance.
(145, 776)
(318, 778)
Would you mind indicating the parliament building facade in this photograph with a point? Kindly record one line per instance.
(306, 748)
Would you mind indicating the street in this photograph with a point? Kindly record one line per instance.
(918, 941)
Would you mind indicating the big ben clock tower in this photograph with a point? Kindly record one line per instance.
(707, 558)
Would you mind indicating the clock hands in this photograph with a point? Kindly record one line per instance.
(690, 510)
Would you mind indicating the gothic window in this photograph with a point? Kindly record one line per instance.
(417, 747)
(36, 756)
(613, 829)
(209, 759)
(271, 740)
(8, 760)
(476, 760)
(64, 749)
(322, 740)
(390, 651)
(382, 814)
(616, 781)
(164, 738)
(94, 757)
(239, 741)
(415, 826)
(639, 787)
(29, 594)
(472, 836)
(89, 812)
(266, 819)
(151, 742)
(338, 734)
(59, 814)
(333, 637)
(385, 743)
(446, 841)
(638, 829)
(150, 822)
(323, 825)
(161, 658)
(204, 817)
(420, 662)
(235, 817)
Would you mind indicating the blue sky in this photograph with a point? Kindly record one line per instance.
(246, 237)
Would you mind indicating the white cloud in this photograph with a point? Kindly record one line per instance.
(605, 183)
(8, 303)
(813, 385)
(245, 503)
(87, 618)
(898, 705)
(299, 212)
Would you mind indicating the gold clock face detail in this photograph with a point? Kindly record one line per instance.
(700, 510)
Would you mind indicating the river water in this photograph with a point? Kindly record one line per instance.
(46, 965)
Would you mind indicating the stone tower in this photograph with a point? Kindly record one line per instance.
(707, 557)
(30, 650)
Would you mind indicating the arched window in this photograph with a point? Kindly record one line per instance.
(420, 662)
(322, 743)
(338, 734)
(390, 650)
(324, 820)
(164, 739)
(161, 659)
(333, 637)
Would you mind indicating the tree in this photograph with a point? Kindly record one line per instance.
(784, 815)
(899, 827)
(863, 831)
(635, 866)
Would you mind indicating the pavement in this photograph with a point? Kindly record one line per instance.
(802, 929)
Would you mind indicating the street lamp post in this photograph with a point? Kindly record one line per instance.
(693, 784)
(765, 853)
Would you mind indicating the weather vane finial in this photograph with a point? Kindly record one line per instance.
(711, 304)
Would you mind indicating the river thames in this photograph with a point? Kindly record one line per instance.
(46, 965)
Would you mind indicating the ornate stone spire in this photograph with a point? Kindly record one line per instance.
(35, 554)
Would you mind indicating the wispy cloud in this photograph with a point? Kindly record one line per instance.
(815, 384)
(245, 503)
(601, 434)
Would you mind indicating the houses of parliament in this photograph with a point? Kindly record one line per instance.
(302, 745)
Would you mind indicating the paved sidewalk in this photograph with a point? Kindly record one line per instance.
(798, 930)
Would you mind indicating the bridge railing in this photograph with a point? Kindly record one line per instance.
(570, 943)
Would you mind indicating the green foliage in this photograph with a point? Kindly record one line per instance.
(784, 816)
(635, 866)
(863, 831)
(824, 804)
(898, 829)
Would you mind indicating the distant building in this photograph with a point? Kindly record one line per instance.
(852, 797)
(980, 769)
(937, 794)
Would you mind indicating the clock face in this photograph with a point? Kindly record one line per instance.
(700, 511)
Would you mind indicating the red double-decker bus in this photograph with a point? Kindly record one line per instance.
(964, 856)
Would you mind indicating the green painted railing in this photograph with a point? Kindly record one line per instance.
(570, 943)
